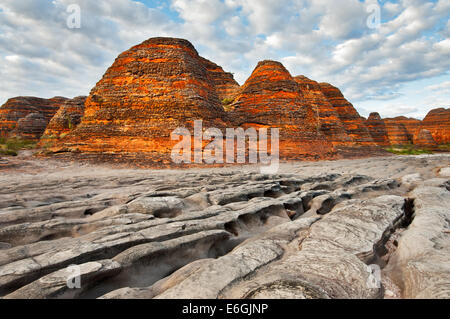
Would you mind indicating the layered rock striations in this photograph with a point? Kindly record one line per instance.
(149, 91)
(329, 122)
(224, 83)
(20, 107)
(352, 121)
(401, 130)
(437, 122)
(377, 129)
(424, 138)
(30, 127)
(272, 98)
(65, 120)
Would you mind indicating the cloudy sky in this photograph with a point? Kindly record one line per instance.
(400, 66)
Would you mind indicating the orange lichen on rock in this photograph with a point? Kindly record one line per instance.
(272, 97)
(437, 122)
(20, 107)
(377, 129)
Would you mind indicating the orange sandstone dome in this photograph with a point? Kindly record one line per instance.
(65, 120)
(424, 138)
(150, 90)
(272, 98)
(352, 121)
(377, 129)
(401, 130)
(329, 121)
(20, 107)
(437, 122)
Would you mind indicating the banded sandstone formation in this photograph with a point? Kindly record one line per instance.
(397, 132)
(19, 107)
(66, 119)
(149, 91)
(377, 129)
(437, 122)
(272, 98)
(224, 83)
(30, 127)
(352, 121)
(424, 138)
(329, 121)
(401, 130)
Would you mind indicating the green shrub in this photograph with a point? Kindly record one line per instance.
(407, 150)
(11, 146)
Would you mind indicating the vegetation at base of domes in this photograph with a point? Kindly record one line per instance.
(407, 150)
(11, 146)
(226, 103)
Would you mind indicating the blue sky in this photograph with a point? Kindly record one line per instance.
(402, 67)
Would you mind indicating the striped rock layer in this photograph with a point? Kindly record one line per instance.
(377, 129)
(437, 122)
(65, 120)
(20, 107)
(352, 121)
(272, 98)
(149, 91)
(329, 121)
(401, 130)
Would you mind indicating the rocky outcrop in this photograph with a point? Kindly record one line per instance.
(420, 263)
(272, 98)
(30, 127)
(19, 107)
(377, 129)
(424, 138)
(397, 132)
(224, 83)
(437, 122)
(65, 120)
(149, 91)
(329, 122)
(401, 130)
(352, 121)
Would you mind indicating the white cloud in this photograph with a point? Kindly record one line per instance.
(327, 40)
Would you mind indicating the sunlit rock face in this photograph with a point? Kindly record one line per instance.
(149, 91)
(377, 129)
(330, 123)
(353, 123)
(401, 130)
(424, 138)
(224, 83)
(272, 98)
(437, 122)
(20, 107)
(65, 120)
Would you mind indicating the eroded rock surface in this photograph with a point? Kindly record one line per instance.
(310, 231)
